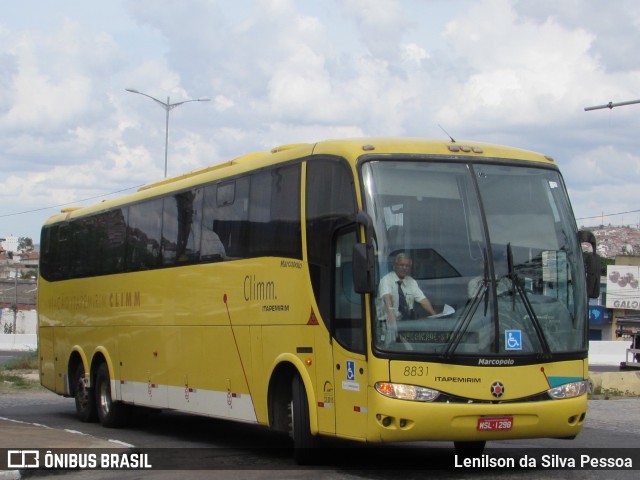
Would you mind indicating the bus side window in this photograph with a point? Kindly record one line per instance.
(231, 218)
(52, 260)
(212, 243)
(169, 240)
(144, 235)
(65, 251)
(86, 247)
(112, 227)
(181, 227)
(348, 318)
(330, 205)
(274, 213)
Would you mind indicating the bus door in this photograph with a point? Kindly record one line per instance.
(349, 342)
(340, 360)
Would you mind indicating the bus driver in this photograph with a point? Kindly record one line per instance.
(398, 291)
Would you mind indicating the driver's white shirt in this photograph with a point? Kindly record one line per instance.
(389, 286)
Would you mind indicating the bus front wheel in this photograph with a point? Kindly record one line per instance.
(304, 443)
(111, 414)
(84, 396)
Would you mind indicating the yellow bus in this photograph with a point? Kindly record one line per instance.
(257, 290)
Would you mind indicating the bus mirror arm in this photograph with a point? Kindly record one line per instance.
(364, 257)
(592, 264)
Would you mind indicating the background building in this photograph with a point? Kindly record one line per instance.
(623, 296)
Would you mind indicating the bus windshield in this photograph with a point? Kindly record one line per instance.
(474, 259)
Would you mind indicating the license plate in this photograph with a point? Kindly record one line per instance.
(492, 424)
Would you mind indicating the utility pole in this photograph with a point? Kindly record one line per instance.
(15, 305)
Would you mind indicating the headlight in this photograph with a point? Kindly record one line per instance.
(568, 390)
(406, 392)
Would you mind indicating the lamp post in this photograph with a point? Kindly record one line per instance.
(168, 106)
(610, 105)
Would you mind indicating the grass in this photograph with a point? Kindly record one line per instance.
(26, 361)
(15, 381)
(12, 373)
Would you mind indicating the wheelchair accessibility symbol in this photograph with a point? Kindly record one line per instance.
(351, 370)
(513, 339)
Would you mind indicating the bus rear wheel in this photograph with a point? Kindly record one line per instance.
(305, 445)
(84, 396)
(111, 414)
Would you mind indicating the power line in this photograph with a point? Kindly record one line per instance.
(138, 186)
(608, 215)
(68, 203)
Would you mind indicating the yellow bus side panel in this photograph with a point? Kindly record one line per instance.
(188, 338)
(46, 355)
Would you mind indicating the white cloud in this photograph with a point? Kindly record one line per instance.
(223, 103)
(517, 70)
(286, 71)
(381, 24)
(611, 165)
(410, 52)
(615, 28)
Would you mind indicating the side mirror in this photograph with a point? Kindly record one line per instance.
(364, 258)
(363, 268)
(592, 264)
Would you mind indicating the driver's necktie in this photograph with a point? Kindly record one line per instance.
(403, 308)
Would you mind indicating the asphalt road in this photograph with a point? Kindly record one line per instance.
(248, 452)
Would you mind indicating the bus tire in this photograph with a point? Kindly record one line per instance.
(305, 445)
(84, 396)
(470, 449)
(111, 414)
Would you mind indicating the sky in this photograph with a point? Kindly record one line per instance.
(513, 72)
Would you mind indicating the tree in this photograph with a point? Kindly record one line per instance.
(606, 262)
(25, 244)
(29, 274)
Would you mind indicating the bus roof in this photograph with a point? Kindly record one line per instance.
(354, 148)
(350, 149)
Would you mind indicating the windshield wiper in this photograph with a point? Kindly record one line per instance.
(470, 310)
(519, 289)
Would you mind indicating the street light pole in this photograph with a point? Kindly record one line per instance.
(611, 105)
(167, 106)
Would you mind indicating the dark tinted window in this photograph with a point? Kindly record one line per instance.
(225, 194)
(274, 213)
(330, 205)
(144, 235)
(214, 232)
(86, 248)
(51, 253)
(182, 216)
(112, 235)
(257, 214)
(228, 216)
